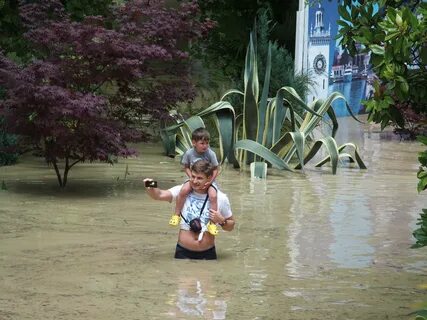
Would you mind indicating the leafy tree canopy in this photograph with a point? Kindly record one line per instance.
(226, 44)
(395, 32)
(92, 79)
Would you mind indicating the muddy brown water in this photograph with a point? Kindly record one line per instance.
(306, 246)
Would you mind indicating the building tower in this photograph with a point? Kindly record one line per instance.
(318, 56)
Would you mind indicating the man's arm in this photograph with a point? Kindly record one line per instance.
(226, 224)
(158, 194)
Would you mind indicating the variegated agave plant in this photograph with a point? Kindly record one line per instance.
(268, 129)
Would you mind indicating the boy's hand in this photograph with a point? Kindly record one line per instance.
(207, 184)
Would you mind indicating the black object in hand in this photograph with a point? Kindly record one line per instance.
(151, 184)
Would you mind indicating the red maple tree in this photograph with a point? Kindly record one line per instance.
(91, 80)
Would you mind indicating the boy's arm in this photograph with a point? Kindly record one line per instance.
(214, 175)
(187, 171)
(185, 161)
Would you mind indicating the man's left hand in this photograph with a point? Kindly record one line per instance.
(216, 217)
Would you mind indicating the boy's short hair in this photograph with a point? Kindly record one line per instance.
(203, 166)
(200, 134)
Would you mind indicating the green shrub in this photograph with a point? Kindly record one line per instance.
(8, 154)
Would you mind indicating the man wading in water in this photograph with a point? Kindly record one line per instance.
(196, 214)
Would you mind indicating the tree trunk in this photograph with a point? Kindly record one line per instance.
(58, 174)
(66, 170)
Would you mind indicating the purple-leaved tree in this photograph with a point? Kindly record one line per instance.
(92, 80)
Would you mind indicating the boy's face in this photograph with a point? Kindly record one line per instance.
(201, 146)
(198, 181)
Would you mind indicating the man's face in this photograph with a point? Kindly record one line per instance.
(197, 181)
(201, 146)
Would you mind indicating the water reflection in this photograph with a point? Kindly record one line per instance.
(351, 224)
(334, 220)
(354, 91)
(195, 294)
(193, 301)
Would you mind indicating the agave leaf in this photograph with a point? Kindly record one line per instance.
(217, 106)
(231, 91)
(262, 107)
(283, 145)
(194, 123)
(225, 127)
(351, 112)
(278, 116)
(263, 152)
(181, 146)
(288, 143)
(169, 142)
(298, 139)
(357, 157)
(332, 148)
(333, 117)
(250, 103)
(346, 155)
(292, 97)
(183, 140)
(314, 149)
(322, 109)
(269, 123)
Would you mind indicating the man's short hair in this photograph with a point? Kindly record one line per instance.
(200, 134)
(204, 167)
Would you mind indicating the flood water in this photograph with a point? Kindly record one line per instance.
(306, 245)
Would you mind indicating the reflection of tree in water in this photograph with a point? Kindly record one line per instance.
(195, 304)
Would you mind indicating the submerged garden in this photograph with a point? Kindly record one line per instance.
(97, 95)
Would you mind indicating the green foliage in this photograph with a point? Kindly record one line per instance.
(12, 41)
(11, 32)
(224, 47)
(420, 234)
(421, 314)
(272, 129)
(79, 9)
(395, 33)
(267, 128)
(283, 73)
(7, 143)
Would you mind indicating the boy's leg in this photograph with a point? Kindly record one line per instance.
(213, 198)
(180, 200)
(213, 202)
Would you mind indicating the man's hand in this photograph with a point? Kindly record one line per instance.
(158, 194)
(145, 182)
(216, 217)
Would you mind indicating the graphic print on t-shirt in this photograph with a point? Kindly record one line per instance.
(192, 208)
